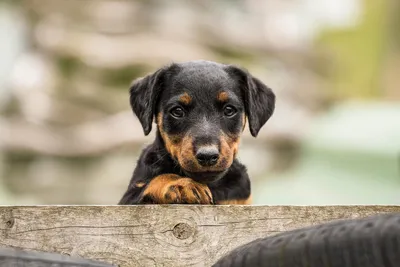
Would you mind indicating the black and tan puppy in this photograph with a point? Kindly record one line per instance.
(200, 108)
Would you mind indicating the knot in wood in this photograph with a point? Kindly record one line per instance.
(182, 231)
(10, 223)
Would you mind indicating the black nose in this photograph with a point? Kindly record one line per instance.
(207, 156)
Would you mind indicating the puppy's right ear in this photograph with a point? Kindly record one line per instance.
(144, 93)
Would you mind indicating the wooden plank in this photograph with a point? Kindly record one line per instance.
(158, 235)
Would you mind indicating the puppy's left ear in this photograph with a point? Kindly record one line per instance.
(144, 93)
(259, 100)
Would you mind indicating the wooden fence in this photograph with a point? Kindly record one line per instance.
(159, 235)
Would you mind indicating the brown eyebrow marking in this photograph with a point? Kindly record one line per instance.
(222, 96)
(185, 99)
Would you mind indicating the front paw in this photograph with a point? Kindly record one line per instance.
(173, 189)
(187, 191)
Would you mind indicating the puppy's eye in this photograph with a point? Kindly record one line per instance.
(229, 111)
(177, 112)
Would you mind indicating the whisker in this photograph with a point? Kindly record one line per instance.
(162, 156)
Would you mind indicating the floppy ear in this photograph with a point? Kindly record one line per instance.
(144, 93)
(259, 100)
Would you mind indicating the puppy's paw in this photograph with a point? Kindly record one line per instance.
(187, 191)
(173, 189)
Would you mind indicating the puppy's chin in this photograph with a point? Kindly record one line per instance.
(205, 177)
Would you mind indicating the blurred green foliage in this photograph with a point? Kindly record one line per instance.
(358, 53)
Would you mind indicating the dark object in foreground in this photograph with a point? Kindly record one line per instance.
(18, 258)
(368, 242)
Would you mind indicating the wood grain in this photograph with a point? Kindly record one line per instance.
(158, 235)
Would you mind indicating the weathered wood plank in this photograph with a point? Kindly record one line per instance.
(178, 235)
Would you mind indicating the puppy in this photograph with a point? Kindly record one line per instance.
(200, 108)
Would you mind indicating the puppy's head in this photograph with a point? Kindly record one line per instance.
(200, 108)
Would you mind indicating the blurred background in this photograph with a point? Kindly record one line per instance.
(68, 136)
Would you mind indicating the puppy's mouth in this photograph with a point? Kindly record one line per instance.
(206, 176)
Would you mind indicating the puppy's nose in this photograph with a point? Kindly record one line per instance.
(207, 156)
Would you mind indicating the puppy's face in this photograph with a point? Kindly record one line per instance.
(200, 109)
(200, 116)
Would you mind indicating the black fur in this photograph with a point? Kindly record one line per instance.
(204, 121)
(259, 99)
(144, 93)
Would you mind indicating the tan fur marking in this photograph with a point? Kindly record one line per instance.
(187, 155)
(230, 146)
(247, 201)
(179, 148)
(172, 143)
(222, 96)
(140, 184)
(185, 99)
